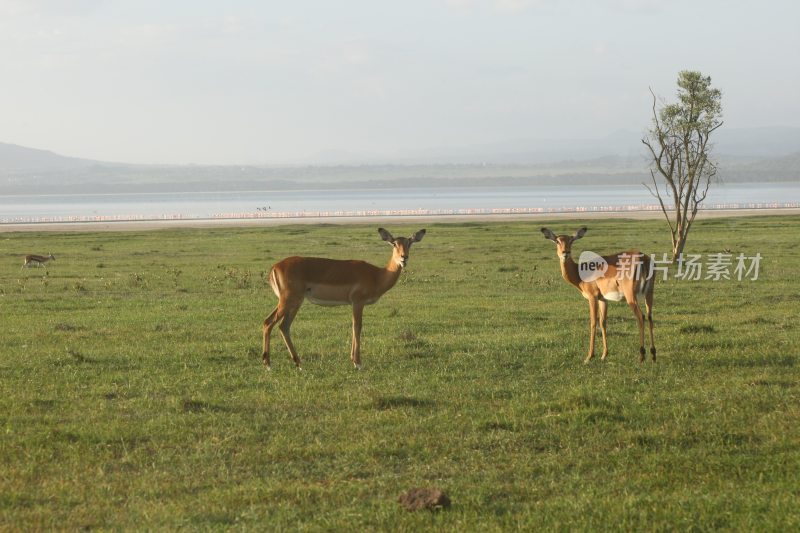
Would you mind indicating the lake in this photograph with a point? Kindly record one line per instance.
(368, 202)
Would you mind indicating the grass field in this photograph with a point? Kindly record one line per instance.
(132, 394)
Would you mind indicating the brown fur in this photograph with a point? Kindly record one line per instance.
(632, 282)
(39, 260)
(332, 282)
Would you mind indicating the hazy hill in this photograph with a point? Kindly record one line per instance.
(786, 168)
(620, 146)
(19, 159)
(762, 154)
(757, 142)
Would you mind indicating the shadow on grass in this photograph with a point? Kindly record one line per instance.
(741, 361)
(588, 409)
(497, 426)
(198, 406)
(74, 357)
(695, 439)
(697, 328)
(414, 346)
(399, 402)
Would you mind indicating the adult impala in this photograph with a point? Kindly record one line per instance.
(625, 275)
(38, 260)
(332, 282)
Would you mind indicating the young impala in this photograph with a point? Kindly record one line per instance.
(332, 282)
(38, 260)
(626, 276)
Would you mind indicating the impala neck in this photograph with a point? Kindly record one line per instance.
(391, 273)
(569, 271)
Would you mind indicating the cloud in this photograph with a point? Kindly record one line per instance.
(522, 6)
(637, 6)
(600, 49)
(502, 6)
(232, 24)
(460, 3)
(148, 35)
(48, 8)
(516, 6)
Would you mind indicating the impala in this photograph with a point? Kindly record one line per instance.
(38, 260)
(625, 275)
(332, 282)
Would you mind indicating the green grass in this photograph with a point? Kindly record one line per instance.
(132, 394)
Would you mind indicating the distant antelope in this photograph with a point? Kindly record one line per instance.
(37, 260)
(332, 282)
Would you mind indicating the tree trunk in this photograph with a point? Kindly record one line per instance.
(679, 235)
(678, 242)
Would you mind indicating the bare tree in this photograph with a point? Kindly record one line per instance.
(678, 142)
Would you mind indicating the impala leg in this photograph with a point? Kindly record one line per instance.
(649, 305)
(285, 327)
(603, 308)
(592, 328)
(634, 305)
(269, 323)
(355, 355)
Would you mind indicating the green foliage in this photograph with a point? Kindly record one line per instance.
(678, 144)
(133, 397)
(699, 107)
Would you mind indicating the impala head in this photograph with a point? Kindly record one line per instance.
(51, 256)
(563, 242)
(401, 245)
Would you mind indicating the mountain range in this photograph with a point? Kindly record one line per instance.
(744, 155)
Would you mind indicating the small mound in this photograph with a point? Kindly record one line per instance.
(424, 498)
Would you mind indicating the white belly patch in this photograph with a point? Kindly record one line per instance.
(328, 295)
(331, 295)
(614, 296)
(326, 303)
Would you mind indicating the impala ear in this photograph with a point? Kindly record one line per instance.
(580, 233)
(386, 236)
(548, 234)
(418, 236)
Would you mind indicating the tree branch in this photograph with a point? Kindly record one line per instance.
(657, 194)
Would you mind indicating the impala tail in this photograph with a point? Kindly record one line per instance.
(273, 282)
(648, 277)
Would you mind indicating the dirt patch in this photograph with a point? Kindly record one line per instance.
(424, 498)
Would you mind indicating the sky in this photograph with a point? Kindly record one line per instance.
(309, 81)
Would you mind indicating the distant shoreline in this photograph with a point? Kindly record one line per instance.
(337, 207)
(200, 223)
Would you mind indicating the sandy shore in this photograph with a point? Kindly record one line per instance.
(147, 225)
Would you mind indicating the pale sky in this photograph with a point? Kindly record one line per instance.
(259, 82)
